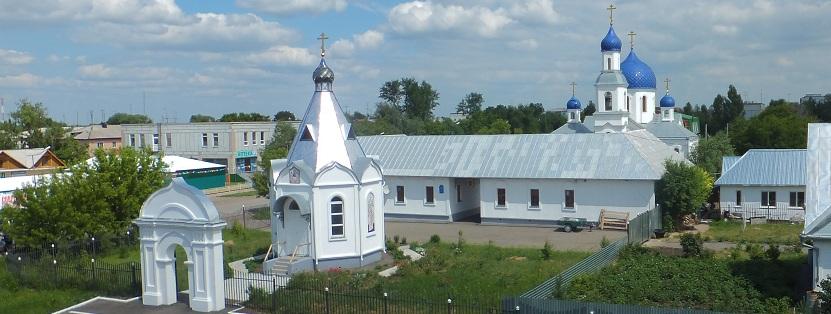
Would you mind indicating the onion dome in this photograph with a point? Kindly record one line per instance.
(667, 101)
(611, 42)
(573, 103)
(323, 74)
(638, 74)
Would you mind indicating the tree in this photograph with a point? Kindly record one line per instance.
(470, 104)
(416, 100)
(30, 127)
(90, 200)
(244, 117)
(201, 118)
(127, 118)
(709, 152)
(778, 126)
(688, 109)
(590, 109)
(683, 189)
(284, 116)
(277, 148)
(820, 109)
(391, 93)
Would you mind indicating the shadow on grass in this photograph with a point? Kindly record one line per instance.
(788, 276)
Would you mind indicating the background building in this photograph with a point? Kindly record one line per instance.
(25, 162)
(764, 183)
(236, 145)
(97, 136)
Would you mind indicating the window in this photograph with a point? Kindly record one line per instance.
(293, 205)
(155, 142)
(244, 138)
(569, 198)
(307, 135)
(738, 197)
(100, 144)
(113, 143)
(458, 192)
(216, 139)
(399, 194)
(429, 197)
(769, 199)
(608, 101)
(133, 140)
(643, 104)
(535, 198)
(204, 139)
(336, 217)
(168, 139)
(142, 140)
(609, 64)
(253, 138)
(797, 199)
(262, 137)
(500, 197)
(627, 103)
(571, 114)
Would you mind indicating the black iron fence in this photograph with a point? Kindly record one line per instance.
(123, 280)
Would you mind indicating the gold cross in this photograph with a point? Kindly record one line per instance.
(667, 80)
(322, 39)
(572, 88)
(610, 8)
(631, 39)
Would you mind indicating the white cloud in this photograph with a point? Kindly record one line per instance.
(725, 29)
(129, 73)
(99, 71)
(282, 55)
(116, 11)
(286, 7)
(426, 16)
(526, 44)
(367, 40)
(784, 61)
(540, 11)
(14, 57)
(20, 80)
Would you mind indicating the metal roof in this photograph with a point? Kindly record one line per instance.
(636, 155)
(766, 167)
(614, 78)
(668, 129)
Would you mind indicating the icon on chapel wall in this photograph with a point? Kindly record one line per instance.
(294, 176)
(370, 205)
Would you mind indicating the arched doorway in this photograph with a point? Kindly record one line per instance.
(181, 216)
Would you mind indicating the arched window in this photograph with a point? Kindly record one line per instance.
(608, 101)
(336, 217)
(643, 104)
(572, 115)
(609, 64)
(293, 205)
(627, 103)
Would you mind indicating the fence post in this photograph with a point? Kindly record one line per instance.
(55, 264)
(133, 278)
(94, 280)
(326, 298)
(449, 306)
(274, 294)
(243, 216)
(385, 303)
(517, 309)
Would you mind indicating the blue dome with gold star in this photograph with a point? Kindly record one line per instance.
(638, 74)
(573, 103)
(611, 42)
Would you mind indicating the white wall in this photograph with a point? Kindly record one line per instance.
(615, 56)
(590, 196)
(636, 107)
(822, 267)
(618, 99)
(415, 194)
(752, 201)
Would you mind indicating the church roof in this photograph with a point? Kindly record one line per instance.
(637, 72)
(324, 136)
(766, 167)
(635, 155)
(667, 101)
(611, 42)
(668, 129)
(573, 103)
(611, 78)
(573, 128)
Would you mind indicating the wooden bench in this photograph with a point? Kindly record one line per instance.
(613, 220)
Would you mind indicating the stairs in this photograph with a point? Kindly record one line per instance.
(611, 220)
(281, 266)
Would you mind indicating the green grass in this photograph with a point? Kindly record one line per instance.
(240, 194)
(262, 213)
(16, 299)
(775, 233)
(735, 283)
(478, 274)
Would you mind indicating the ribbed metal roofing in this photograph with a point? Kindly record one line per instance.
(615, 156)
(668, 129)
(766, 167)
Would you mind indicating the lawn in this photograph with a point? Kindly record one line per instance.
(774, 233)
(16, 299)
(476, 274)
(743, 281)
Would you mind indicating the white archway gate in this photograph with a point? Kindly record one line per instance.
(181, 215)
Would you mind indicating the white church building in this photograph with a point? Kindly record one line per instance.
(818, 201)
(327, 195)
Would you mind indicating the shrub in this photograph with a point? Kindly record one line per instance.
(395, 239)
(824, 296)
(773, 252)
(754, 250)
(460, 242)
(604, 242)
(669, 225)
(435, 239)
(260, 251)
(404, 240)
(546, 251)
(692, 244)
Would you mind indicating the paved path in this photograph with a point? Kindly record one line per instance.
(507, 236)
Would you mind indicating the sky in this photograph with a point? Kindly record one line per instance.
(171, 59)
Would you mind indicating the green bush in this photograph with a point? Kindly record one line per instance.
(604, 242)
(692, 244)
(435, 239)
(395, 239)
(773, 252)
(546, 251)
(668, 224)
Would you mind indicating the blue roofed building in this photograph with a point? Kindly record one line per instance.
(764, 183)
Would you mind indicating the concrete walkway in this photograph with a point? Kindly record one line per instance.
(407, 252)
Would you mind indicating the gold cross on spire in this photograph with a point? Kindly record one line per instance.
(631, 39)
(572, 88)
(667, 80)
(611, 8)
(322, 39)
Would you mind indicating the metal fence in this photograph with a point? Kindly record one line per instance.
(534, 306)
(123, 280)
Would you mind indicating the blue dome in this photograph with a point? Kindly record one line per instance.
(573, 103)
(667, 101)
(638, 74)
(611, 42)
